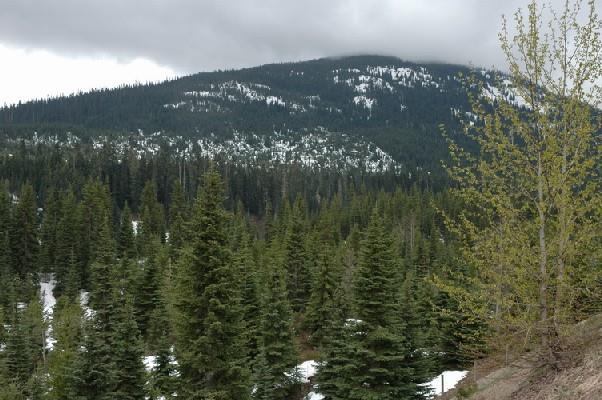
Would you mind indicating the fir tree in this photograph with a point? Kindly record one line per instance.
(209, 321)
(67, 269)
(178, 215)
(275, 374)
(24, 235)
(149, 283)
(95, 363)
(152, 220)
(48, 233)
(129, 375)
(6, 275)
(382, 363)
(325, 289)
(127, 245)
(250, 293)
(296, 258)
(66, 328)
(18, 353)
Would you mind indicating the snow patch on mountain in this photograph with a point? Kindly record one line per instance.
(316, 148)
(364, 101)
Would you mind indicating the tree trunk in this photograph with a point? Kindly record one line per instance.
(543, 272)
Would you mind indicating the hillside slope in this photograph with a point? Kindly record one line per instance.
(327, 112)
(579, 377)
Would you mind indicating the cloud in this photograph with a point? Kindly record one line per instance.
(62, 46)
(26, 75)
(195, 35)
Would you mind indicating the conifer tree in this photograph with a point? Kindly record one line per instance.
(178, 215)
(250, 293)
(383, 365)
(48, 232)
(67, 269)
(209, 336)
(66, 328)
(95, 363)
(325, 290)
(18, 353)
(127, 244)
(129, 375)
(163, 380)
(152, 222)
(149, 284)
(275, 374)
(24, 235)
(296, 258)
(93, 213)
(6, 275)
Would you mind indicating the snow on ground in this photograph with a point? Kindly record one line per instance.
(150, 362)
(84, 299)
(46, 292)
(450, 380)
(307, 370)
(314, 396)
(48, 302)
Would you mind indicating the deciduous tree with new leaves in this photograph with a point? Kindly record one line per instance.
(531, 227)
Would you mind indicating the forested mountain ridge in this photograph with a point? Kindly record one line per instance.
(370, 112)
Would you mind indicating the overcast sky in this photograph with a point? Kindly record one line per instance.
(62, 46)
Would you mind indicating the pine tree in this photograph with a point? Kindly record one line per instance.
(18, 353)
(149, 284)
(250, 293)
(102, 274)
(24, 235)
(127, 245)
(48, 233)
(93, 212)
(95, 363)
(6, 276)
(95, 370)
(152, 220)
(324, 293)
(67, 269)
(178, 215)
(162, 381)
(209, 336)
(66, 328)
(296, 258)
(129, 375)
(275, 374)
(383, 365)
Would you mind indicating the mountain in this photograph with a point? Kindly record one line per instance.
(369, 112)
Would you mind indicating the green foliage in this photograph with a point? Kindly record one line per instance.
(127, 245)
(376, 360)
(24, 236)
(531, 196)
(326, 289)
(127, 353)
(295, 257)
(209, 336)
(275, 374)
(66, 328)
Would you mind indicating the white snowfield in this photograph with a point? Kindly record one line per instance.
(307, 370)
(449, 381)
(48, 303)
